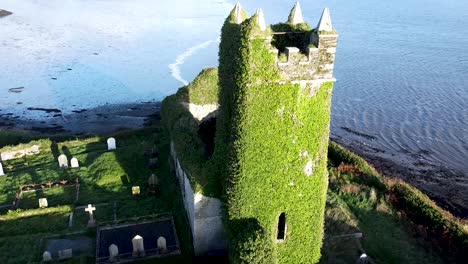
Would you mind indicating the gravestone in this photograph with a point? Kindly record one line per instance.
(153, 183)
(136, 190)
(1, 170)
(153, 163)
(111, 145)
(162, 244)
(63, 161)
(153, 180)
(155, 152)
(91, 221)
(363, 259)
(113, 252)
(65, 254)
(43, 203)
(46, 256)
(74, 163)
(138, 246)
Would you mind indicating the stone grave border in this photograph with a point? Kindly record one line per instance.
(44, 186)
(42, 240)
(155, 218)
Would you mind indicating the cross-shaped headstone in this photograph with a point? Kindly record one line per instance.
(90, 209)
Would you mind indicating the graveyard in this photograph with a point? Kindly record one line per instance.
(359, 215)
(54, 203)
(214, 181)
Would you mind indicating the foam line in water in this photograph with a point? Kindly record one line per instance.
(181, 58)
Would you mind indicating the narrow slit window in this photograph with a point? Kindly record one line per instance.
(281, 236)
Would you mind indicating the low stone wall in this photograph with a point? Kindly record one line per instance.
(204, 214)
(15, 154)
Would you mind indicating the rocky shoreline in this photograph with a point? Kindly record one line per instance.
(102, 119)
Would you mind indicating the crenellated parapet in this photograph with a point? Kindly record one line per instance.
(312, 59)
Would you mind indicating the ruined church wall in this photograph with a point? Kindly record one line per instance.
(204, 214)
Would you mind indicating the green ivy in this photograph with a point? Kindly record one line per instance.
(267, 132)
(264, 126)
(204, 88)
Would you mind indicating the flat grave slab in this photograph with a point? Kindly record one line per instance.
(80, 246)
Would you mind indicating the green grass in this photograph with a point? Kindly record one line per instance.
(20, 249)
(204, 88)
(361, 200)
(48, 220)
(105, 177)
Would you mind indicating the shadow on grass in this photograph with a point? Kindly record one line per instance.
(105, 177)
(386, 240)
(127, 166)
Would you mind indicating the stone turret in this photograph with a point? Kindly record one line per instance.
(238, 13)
(325, 23)
(261, 20)
(325, 40)
(295, 17)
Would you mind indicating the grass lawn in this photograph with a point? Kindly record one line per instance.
(355, 204)
(105, 178)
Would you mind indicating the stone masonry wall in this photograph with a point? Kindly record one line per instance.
(204, 214)
(316, 64)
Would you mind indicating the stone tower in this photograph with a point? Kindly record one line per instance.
(272, 134)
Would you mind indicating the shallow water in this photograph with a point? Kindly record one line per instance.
(402, 66)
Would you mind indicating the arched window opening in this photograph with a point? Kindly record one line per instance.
(281, 236)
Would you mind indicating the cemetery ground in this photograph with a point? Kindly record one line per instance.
(361, 216)
(105, 180)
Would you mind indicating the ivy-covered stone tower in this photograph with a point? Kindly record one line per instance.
(272, 133)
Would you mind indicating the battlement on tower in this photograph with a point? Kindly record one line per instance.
(303, 53)
(310, 54)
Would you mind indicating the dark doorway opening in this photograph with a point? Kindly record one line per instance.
(281, 227)
(207, 132)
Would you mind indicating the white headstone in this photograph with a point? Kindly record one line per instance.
(363, 259)
(46, 256)
(90, 209)
(111, 145)
(43, 203)
(138, 246)
(162, 244)
(296, 15)
(325, 23)
(63, 161)
(65, 254)
(261, 20)
(74, 163)
(113, 252)
(1, 170)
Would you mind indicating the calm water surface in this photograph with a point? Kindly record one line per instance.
(402, 66)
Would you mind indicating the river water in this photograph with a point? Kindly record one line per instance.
(402, 65)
